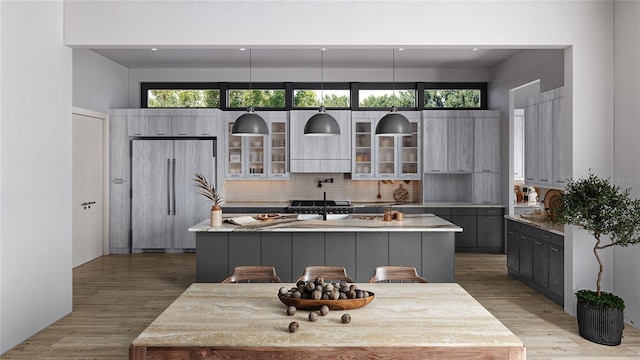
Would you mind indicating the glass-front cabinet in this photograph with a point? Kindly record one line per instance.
(384, 157)
(257, 157)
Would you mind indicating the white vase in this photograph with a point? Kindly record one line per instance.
(216, 216)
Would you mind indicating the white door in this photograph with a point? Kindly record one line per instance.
(87, 188)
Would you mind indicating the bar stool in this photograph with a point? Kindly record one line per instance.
(396, 273)
(252, 274)
(328, 272)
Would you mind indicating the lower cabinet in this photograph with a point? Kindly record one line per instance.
(483, 229)
(536, 257)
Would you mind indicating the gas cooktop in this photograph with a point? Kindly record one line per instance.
(317, 206)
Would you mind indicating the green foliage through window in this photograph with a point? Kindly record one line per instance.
(452, 98)
(183, 98)
(240, 98)
(311, 99)
(387, 99)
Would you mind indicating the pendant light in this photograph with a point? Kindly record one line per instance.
(394, 123)
(249, 124)
(321, 124)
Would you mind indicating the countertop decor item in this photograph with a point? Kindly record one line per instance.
(209, 191)
(400, 194)
(310, 304)
(602, 209)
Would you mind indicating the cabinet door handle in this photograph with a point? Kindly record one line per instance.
(174, 187)
(544, 179)
(530, 178)
(169, 186)
(555, 249)
(537, 242)
(510, 232)
(490, 217)
(460, 170)
(523, 237)
(435, 170)
(182, 134)
(560, 181)
(486, 170)
(546, 236)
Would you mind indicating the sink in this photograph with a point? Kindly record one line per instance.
(319, 216)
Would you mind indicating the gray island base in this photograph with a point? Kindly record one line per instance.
(359, 243)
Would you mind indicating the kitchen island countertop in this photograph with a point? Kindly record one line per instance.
(357, 223)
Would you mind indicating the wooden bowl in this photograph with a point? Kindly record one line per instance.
(310, 304)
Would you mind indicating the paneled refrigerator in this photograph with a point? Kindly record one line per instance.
(164, 202)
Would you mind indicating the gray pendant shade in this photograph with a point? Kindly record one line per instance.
(321, 124)
(249, 124)
(394, 124)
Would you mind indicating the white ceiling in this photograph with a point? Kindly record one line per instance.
(307, 58)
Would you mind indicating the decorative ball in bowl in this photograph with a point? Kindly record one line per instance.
(311, 295)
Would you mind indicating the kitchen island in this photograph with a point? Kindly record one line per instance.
(404, 321)
(359, 243)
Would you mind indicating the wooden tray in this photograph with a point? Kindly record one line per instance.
(310, 304)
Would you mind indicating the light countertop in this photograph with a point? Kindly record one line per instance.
(557, 229)
(280, 204)
(406, 320)
(357, 223)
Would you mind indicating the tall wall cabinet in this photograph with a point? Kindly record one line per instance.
(161, 125)
(257, 157)
(544, 139)
(461, 151)
(384, 157)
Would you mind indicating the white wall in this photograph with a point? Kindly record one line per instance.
(99, 84)
(627, 146)
(136, 76)
(35, 169)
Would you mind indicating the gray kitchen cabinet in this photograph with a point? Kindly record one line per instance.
(460, 145)
(183, 126)
(526, 256)
(405, 249)
(278, 145)
(486, 142)
(544, 139)
(212, 257)
(164, 204)
(244, 248)
(384, 157)
(372, 249)
(540, 262)
(149, 126)
(314, 154)
(490, 230)
(245, 156)
(340, 250)
(518, 144)
(172, 122)
(307, 248)
(276, 251)
(486, 188)
(536, 257)
(119, 184)
(465, 218)
(434, 143)
(513, 250)
(556, 272)
(138, 126)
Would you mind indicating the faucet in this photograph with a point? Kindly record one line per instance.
(324, 212)
(324, 181)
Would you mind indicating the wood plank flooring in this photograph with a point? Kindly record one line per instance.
(115, 297)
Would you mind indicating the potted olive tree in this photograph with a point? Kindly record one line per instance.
(609, 214)
(209, 191)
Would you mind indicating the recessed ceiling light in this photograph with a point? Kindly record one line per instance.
(324, 49)
(400, 49)
(475, 49)
(154, 49)
(242, 49)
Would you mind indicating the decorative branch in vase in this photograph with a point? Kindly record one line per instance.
(209, 191)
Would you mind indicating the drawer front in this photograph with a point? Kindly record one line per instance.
(491, 211)
(519, 227)
(551, 238)
(437, 211)
(463, 211)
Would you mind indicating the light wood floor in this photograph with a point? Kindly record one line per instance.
(115, 297)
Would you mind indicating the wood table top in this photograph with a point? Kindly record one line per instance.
(408, 315)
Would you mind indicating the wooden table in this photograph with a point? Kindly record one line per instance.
(404, 321)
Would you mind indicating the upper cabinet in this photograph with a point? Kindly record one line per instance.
(447, 141)
(544, 140)
(257, 157)
(384, 157)
(173, 122)
(313, 154)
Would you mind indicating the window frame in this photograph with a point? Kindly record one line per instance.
(146, 86)
(483, 87)
(320, 86)
(290, 87)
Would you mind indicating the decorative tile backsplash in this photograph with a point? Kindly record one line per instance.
(305, 187)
